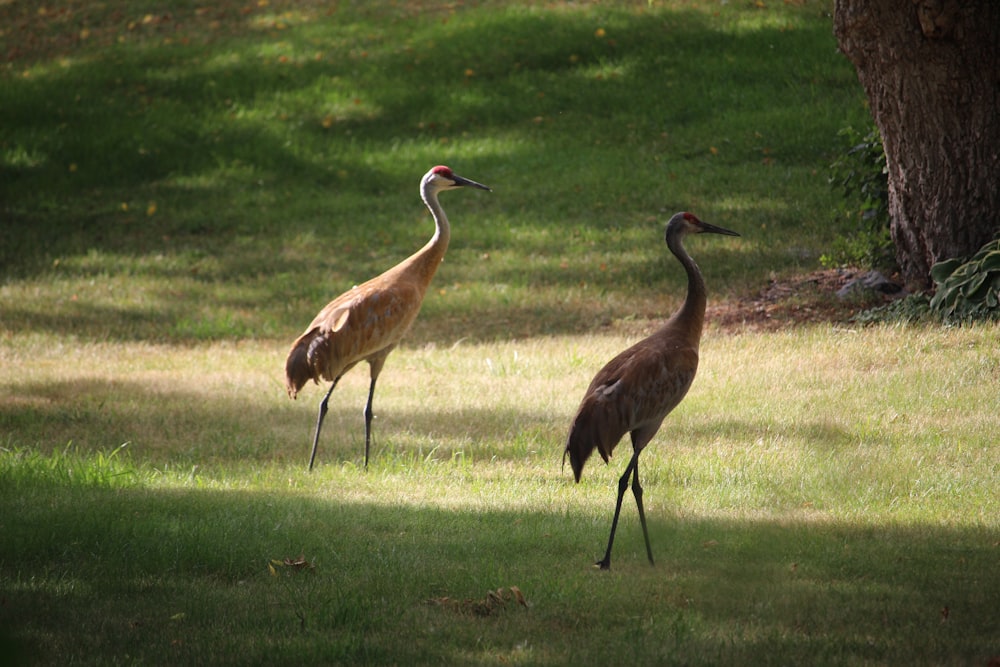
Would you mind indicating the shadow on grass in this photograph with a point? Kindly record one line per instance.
(152, 575)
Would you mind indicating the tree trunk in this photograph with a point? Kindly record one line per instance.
(931, 72)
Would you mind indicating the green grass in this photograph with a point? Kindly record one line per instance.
(182, 188)
(222, 172)
(826, 511)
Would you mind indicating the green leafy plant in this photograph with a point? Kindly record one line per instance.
(861, 175)
(912, 308)
(968, 290)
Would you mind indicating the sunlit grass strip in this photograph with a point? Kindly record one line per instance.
(844, 424)
(70, 468)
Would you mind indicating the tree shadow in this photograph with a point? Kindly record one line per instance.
(181, 574)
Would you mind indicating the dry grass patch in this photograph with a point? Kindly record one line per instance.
(866, 421)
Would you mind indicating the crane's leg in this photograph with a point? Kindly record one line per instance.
(368, 418)
(375, 364)
(319, 422)
(637, 492)
(605, 563)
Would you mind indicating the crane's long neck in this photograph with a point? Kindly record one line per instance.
(427, 259)
(692, 313)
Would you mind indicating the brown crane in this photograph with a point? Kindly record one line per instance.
(637, 389)
(366, 322)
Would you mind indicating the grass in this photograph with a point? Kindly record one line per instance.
(183, 188)
(219, 173)
(853, 520)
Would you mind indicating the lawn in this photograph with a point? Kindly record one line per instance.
(183, 186)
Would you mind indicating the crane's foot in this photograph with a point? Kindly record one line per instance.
(603, 564)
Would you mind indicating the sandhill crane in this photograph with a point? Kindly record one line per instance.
(636, 390)
(366, 322)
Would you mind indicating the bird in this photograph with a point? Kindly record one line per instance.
(367, 322)
(638, 388)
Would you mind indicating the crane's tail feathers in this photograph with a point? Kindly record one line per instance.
(306, 361)
(583, 439)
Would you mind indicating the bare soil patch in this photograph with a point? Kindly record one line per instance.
(793, 301)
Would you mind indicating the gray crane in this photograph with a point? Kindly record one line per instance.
(366, 322)
(637, 389)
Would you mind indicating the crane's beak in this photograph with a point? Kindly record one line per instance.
(465, 181)
(712, 229)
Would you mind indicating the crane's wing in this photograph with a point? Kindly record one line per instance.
(338, 318)
(356, 325)
(632, 393)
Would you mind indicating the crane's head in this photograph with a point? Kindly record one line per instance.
(688, 223)
(443, 178)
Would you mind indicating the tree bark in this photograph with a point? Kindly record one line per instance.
(931, 72)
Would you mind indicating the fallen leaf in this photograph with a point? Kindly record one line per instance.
(299, 563)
